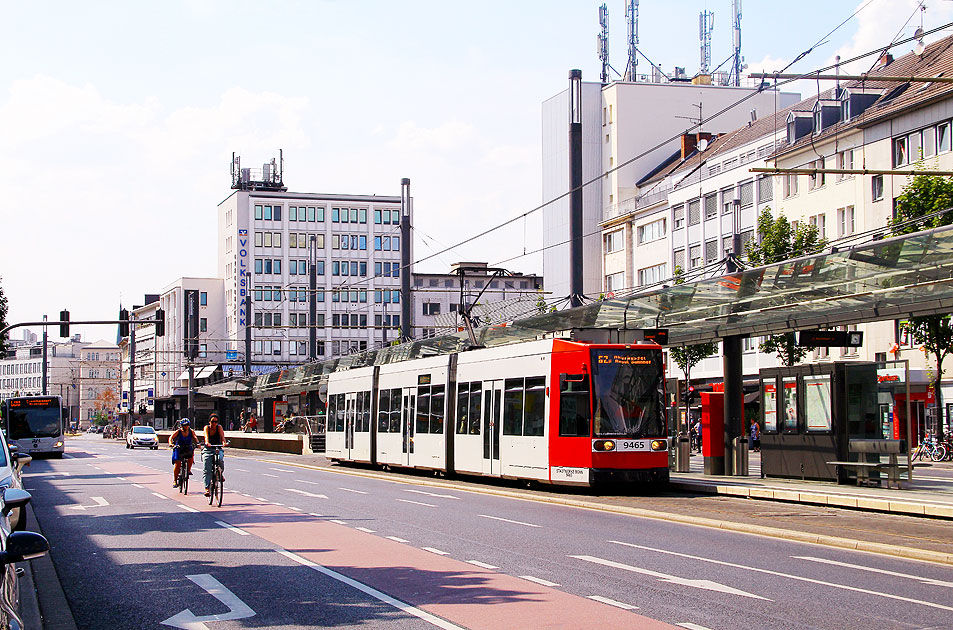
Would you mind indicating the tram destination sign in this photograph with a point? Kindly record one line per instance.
(831, 338)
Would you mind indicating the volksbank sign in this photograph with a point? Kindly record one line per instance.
(242, 278)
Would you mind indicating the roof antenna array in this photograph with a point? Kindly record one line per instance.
(632, 18)
(603, 43)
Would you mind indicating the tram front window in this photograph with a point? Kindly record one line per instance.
(627, 393)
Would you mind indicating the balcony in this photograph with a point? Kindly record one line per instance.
(633, 204)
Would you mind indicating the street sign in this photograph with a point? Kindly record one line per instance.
(831, 338)
(231, 355)
(658, 335)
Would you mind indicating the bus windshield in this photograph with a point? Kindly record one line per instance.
(30, 421)
(627, 393)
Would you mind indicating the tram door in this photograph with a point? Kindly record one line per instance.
(350, 407)
(407, 419)
(492, 418)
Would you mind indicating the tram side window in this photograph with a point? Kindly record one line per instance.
(575, 412)
(463, 407)
(513, 406)
(533, 422)
(363, 411)
(339, 417)
(423, 410)
(476, 397)
(395, 410)
(331, 413)
(383, 411)
(436, 408)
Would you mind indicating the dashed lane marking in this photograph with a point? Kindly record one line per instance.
(506, 520)
(612, 602)
(691, 626)
(239, 531)
(365, 530)
(334, 520)
(540, 581)
(187, 508)
(396, 539)
(354, 491)
(416, 503)
(161, 496)
(436, 551)
(269, 475)
(481, 564)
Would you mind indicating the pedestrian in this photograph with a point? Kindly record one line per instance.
(698, 432)
(253, 423)
(756, 436)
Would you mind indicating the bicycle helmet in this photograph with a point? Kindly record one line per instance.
(184, 422)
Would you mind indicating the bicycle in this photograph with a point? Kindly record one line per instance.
(184, 477)
(928, 448)
(217, 482)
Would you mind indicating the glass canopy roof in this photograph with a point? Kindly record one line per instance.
(889, 279)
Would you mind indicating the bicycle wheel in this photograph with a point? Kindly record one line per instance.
(917, 453)
(211, 489)
(939, 452)
(184, 478)
(219, 486)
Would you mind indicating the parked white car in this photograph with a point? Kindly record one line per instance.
(142, 436)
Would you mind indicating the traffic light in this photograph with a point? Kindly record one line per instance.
(160, 322)
(64, 323)
(689, 396)
(123, 322)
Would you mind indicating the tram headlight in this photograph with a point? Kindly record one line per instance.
(658, 445)
(603, 445)
(58, 444)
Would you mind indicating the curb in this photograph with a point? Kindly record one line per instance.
(42, 600)
(895, 551)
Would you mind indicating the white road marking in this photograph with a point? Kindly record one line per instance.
(364, 529)
(387, 599)
(506, 520)
(539, 580)
(436, 551)
(122, 479)
(240, 469)
(788, 575)
(269, 475)
(334, 520)
(47, 474)
(100, 502)
(307, 494)
(859, 567)
(315, 515)
(352, 490)
(310, 483)
(416, 502)
(296, 509)
(284, 470)
(708, 585)
(482, 564)
(691, 626)
(276, 503)
(612, 602)
(187, 508)
(396, 539)
(433, 494)
(136, 485)
(262, 500)
(237, 609)
(240, 532)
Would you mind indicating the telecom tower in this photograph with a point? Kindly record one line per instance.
(736, 40)
(632, 17)
(604, 43)
(706, 24)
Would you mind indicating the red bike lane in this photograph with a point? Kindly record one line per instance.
(462, 593)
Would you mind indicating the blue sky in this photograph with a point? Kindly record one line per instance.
(118, 119)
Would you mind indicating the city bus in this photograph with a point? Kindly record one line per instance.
(35, 424)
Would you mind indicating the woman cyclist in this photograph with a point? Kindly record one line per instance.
(183, 443)
(214, 436)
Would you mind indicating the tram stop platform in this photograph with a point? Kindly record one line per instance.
(929, 494)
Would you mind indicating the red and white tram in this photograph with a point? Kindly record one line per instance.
(553, 411)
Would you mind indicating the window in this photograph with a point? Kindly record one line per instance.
(203, 350)
(789, 184)
(747, 194)
(575, 411)
(711, 206)
(819, 221)
(929, 142)
(678, 259)
(877, 187)
(258, 239)
(901, 153)
(203, 298)
(377, 217)
(816, 180)
(258, 213)
(652, 275)
(431, 308)
(845, 160)
(203, 324)
(845, 221)
(258, 265)
(765, 189)
(615, 281)
(651, 231)
(711, 251)
(678, 217)
(267, 239)
(943, 137)
(613, 241)
(695, 256)
(694, 212)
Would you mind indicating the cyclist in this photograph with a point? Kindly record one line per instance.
(214, 437)
(183, 443)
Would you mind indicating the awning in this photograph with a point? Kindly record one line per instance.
(184, 376)
(206, 371)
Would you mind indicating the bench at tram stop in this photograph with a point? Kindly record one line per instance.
(864, 448)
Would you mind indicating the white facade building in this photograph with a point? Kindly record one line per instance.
(21, 371)
(354, 243)
(98, 371)
(628, 130)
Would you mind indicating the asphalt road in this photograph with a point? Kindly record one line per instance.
(296, 547)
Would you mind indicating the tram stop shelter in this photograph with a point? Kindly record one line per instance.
(886, 279)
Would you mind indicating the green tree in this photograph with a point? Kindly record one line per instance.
(778, 241)
(3, 321)
(687, 357)
(925, 195)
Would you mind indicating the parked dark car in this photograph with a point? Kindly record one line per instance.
(15, 546)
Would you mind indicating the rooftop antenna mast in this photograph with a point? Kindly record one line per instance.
(632, 18)
(603, 43)
(706, 24)
(736, 40)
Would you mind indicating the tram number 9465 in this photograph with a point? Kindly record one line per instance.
(606, 446)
